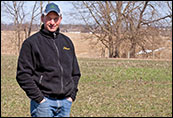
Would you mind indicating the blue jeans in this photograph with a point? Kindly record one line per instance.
(51, 108)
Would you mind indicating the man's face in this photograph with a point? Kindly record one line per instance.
(51, 21)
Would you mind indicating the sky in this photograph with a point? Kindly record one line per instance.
(65, 6)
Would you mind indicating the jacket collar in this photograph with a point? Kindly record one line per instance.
(49, 34)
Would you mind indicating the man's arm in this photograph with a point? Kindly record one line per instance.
(25, 76)
(76, 76)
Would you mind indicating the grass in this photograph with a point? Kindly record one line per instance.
(108, 87)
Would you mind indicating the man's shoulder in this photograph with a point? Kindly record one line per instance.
(33, 37)
(64, 36)
(36, 34)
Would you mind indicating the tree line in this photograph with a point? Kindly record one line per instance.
(35, 27)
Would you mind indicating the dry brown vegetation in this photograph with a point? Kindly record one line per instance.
(82, 47)
(88, 47)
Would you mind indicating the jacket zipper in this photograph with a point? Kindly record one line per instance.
(41, 77)
(61, 68)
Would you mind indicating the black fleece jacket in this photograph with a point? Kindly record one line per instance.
(48, 67)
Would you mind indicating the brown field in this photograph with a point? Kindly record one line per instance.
(84, 48)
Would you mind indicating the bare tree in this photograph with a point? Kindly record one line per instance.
(41, 10)
(114, 22)
(33, 16)
(16, 11)
(142, 14)
(103, 25)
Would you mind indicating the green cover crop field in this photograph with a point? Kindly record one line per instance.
(108, 87)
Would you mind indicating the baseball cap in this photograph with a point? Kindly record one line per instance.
(52, 7)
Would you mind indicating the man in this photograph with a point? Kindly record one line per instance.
(47, 68)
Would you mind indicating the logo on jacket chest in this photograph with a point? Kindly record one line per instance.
(66, 48)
